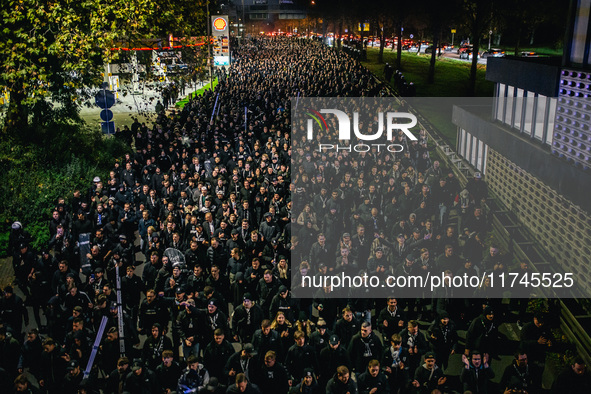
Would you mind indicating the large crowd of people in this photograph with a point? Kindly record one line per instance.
(196, 228)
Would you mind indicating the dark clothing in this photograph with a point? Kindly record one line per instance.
(168, 377)
(299, 358)
(335, 386)
(363, 350)
(366, 383)
(476, 380)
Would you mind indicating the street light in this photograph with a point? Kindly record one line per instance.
(489, 37)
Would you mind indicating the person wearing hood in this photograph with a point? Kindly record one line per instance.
(483, 333)
(341, 382)
(308, 385)
(429, 376)
(194, 378)
(477, 374)
(444, 338)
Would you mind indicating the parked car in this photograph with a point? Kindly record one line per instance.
(493, 52)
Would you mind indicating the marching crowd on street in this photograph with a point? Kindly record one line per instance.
(198, 225)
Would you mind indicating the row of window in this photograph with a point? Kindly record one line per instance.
(530, 113)
(472, 150)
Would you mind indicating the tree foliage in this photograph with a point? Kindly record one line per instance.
(53, 50)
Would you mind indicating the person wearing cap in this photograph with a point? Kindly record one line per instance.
(194, 378)
(429, 376)
(477, 188)
(246, 318)
(245, 361)
(73, 378)
(13, 311)
(399, 251)
(308, 385)
(141, 379)
(330, 358)
(477, 374)
(273, 376)
(156, 343)
(483, 333)
(282, 302)
(364, 346)
(268, 227)
(23, 264)
(117, 376)
(319, 338)
(443, 337)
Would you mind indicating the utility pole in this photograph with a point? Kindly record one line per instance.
(209, 55)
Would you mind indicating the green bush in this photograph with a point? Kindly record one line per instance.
(36, 175)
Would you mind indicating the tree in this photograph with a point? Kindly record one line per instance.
(479, 14)
(50, 52)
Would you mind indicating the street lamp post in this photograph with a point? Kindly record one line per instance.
(489, 37)
(209, 53)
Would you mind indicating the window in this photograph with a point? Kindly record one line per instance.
(540, 117)
(518, 109)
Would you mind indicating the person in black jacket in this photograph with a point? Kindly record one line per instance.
(373, 380)
(216, 354)
(429, 376)
(331, 357)
(117, 377)
(141, 380)
(347, 326)
(246, 319)
(273, 377)
(300, 356)
(308, 385)
(536, 340)
(364, 347)
(168, 372)
(483, 333)
(391, 319)
(477, 374)
(444, 338)
(245, 362)
(414, 342)
(341, 382)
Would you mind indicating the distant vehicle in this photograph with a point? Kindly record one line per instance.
(464, 48)
(443, 47)
(529, 54)
(493, 52)
(467, 54)
(419, 49)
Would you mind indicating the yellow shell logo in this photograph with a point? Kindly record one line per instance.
(219, 24)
